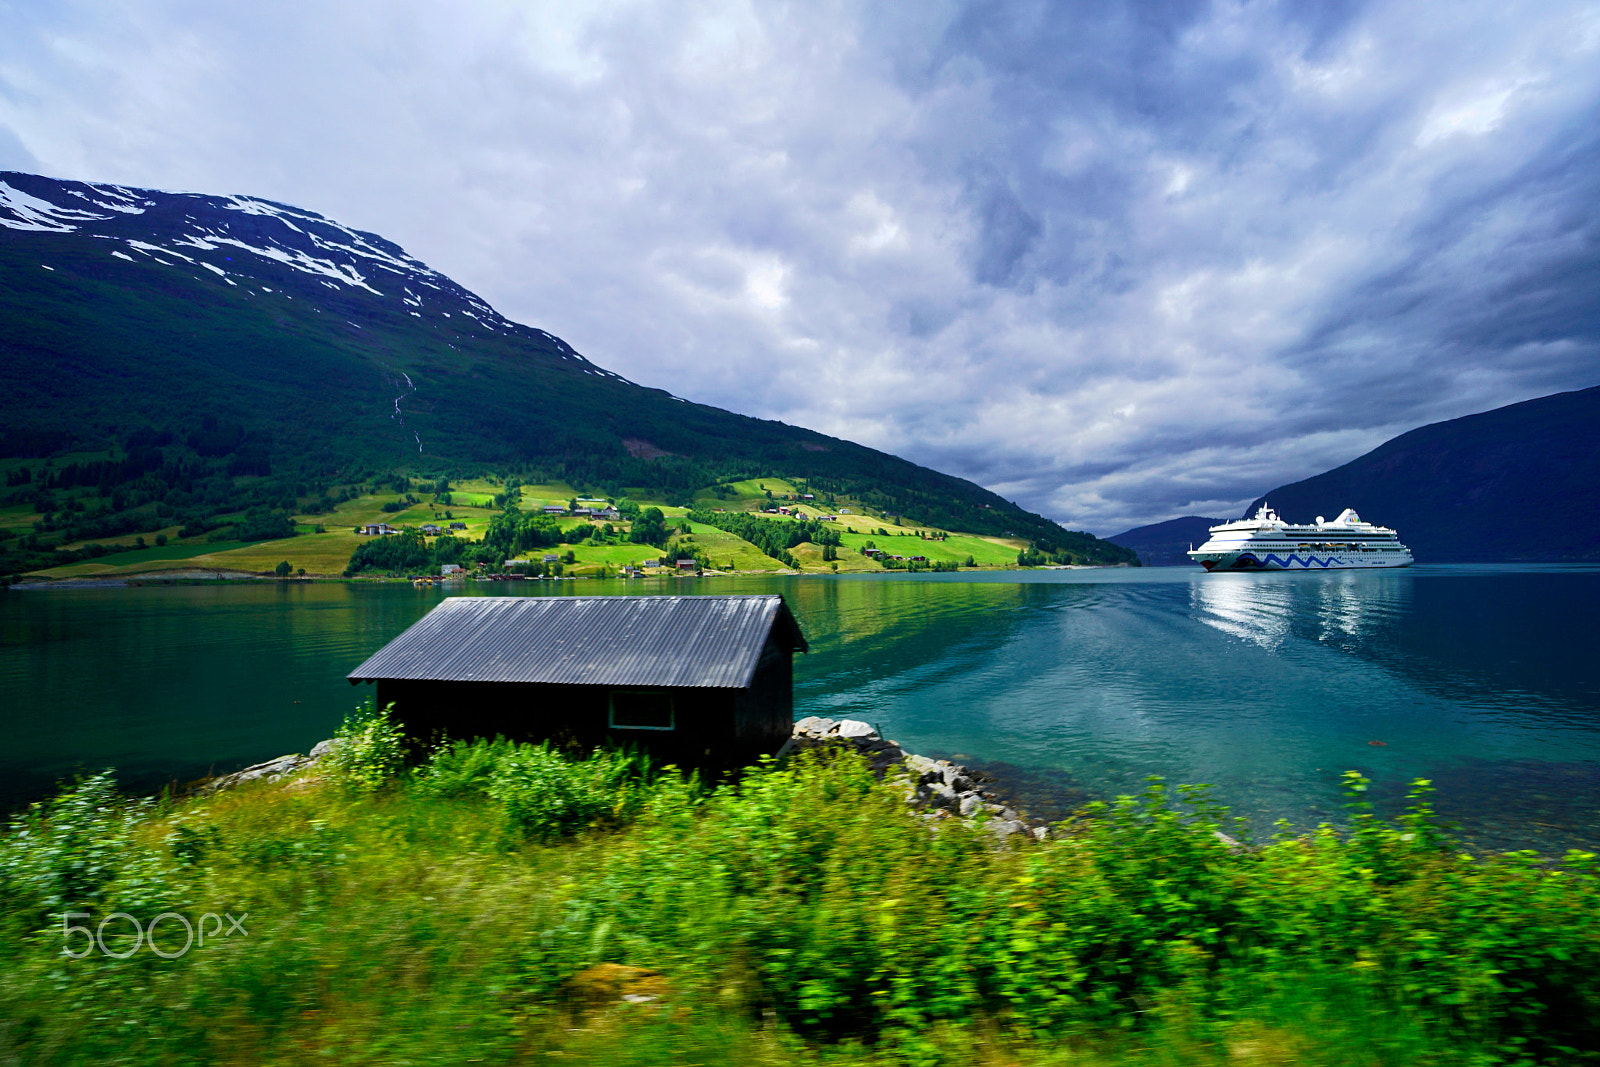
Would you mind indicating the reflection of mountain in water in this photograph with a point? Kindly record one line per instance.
(874, 639)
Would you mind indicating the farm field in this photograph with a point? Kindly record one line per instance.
(326, 554)
(18, 517)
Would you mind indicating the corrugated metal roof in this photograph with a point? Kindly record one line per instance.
(680, 641)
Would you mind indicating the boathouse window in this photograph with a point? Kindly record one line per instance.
(641, 711)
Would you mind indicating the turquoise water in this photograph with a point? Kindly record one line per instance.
(1069, 684)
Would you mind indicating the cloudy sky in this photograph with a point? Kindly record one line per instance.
(1118, 262)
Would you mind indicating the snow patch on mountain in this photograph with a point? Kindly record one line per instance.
(23, 211)
(303, 261)
(19, 211)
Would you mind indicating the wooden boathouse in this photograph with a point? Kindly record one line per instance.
(703, 681)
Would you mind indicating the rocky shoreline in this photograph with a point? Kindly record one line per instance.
(935, 788)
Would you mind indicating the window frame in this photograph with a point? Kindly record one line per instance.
(611, 709)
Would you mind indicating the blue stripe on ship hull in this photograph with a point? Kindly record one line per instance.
(1273, 561)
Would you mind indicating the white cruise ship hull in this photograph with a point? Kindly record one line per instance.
(1249, 560)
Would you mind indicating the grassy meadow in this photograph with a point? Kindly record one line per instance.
(507, 904)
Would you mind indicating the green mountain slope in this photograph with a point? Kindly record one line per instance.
(196, 338)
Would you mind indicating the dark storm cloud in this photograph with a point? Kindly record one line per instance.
(1117, 261)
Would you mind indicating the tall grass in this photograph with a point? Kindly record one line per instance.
(799, 915)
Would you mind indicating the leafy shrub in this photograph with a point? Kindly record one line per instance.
(62, 853)
(544, 794)
(368, 750)
(463, 768)
(805, 895)
(547, 796)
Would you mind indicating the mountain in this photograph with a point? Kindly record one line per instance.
(1163, 544)
(1517, 483)
(238, 337)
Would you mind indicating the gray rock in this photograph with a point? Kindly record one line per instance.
(1007, 827)
(956, 778)
(855, 729)
(272, 769)
(1041, 833)
(942, 796)
(970, 805)
(322, 748)
(813, 724)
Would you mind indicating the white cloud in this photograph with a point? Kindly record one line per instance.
(1115, 267)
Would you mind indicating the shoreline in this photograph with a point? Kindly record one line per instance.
(220, 576)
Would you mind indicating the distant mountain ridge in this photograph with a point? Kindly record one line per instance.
(316, 349)
(1165, 544)
(1520, 482)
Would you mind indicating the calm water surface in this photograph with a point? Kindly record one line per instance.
(1073, 684)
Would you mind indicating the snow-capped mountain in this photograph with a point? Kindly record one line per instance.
(247, 241)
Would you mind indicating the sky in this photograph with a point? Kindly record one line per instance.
(1118, 262)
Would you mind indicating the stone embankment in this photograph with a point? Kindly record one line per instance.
(936, 788)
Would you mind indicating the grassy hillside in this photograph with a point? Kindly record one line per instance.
(327, 553)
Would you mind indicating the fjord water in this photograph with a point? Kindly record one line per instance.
(1069, 684)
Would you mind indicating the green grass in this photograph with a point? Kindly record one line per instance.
(18, 517)
(729, 552)
(495, 904)
(168, 557)
(986, 552)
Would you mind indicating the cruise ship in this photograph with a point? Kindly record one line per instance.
(1267, 543)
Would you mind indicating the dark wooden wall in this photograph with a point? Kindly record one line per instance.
(714, 729)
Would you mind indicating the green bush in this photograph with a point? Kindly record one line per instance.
(368, 750)
(547, 796)
(62, 853)
(460, 768)
(544, 794)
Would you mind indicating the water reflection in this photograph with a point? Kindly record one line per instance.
(1349, 608)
